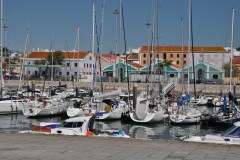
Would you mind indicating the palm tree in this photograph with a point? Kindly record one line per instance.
(227, 70)
(55, 58)
(161, 65)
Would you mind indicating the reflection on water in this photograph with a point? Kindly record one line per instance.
(18, 122)
(164, 130)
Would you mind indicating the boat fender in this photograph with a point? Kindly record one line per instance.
(107, 108)
(31, 98)
(89, 133)
(44, 104)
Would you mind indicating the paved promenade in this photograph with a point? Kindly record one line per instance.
(15, 146)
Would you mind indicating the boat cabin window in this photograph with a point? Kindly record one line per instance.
(233, 132)
(72, 124)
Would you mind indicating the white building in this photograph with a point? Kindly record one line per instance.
(75, 65)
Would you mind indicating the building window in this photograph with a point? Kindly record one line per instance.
(171, 55)
(60, 73)
(164, 55)
(76, 64)
(90, 65)
(177, 55)
(157, 56)
(185, 76)
(144, 55)
(184, 62)
(36, 72)
(215, 76)
(68, 64)
(144, 62)
(177, 62)
(75, 73)
(67, 73)
(87, 65)
(172, 75)
(90, 58)
(185, 55)
(29, 72)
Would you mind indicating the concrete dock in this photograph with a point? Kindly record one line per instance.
(14, 146)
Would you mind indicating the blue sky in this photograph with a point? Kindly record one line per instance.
(57, 20)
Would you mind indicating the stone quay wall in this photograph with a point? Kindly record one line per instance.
(207, 88)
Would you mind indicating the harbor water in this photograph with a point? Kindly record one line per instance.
(163, 130)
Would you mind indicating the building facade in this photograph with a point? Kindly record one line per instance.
(179, 55)
(77, 65)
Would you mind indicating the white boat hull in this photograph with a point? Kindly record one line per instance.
(151, 117)
(73, 112)
(112, 115)
(214, 139)
(34, 109)
(10, 107)
(181, 119)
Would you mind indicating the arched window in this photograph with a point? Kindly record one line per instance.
(172, 75)
(90, 58)
(200, 74)
(215, 76)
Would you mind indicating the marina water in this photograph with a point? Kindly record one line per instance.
(164, 130)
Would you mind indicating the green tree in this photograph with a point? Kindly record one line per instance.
(160, 65)
(9, 61)
(227, 70)
(57, 58)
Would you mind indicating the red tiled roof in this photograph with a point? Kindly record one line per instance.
(176, 66)
(109, 56)
(68, 55)
(133, 57)
(144, 49)
(137, 65)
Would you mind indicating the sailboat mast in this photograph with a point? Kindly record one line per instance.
(52, 62)
(189, 40)
(93, 44)
(78, 52)
(182, 27)
(1, 41)
(231, 56)
(101, 45)
(125, 49)
(23, 63)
